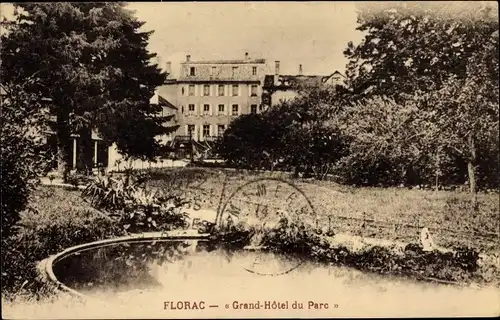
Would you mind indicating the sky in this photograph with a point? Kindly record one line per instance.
(313, 34)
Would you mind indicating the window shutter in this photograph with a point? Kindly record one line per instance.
(249, 90)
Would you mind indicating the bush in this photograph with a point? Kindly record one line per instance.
(55, 220)
(293, 237)
(133, 207)
(77, 179)
(22, 157)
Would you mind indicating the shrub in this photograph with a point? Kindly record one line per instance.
(77, 179)
(133, 207)
(22, 156)
(56, 219)
(293, 237)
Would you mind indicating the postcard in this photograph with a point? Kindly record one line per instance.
(250, 160)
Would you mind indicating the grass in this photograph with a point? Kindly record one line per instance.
(390, 213)
(59, 218)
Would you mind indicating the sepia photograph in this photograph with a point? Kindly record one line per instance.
(249, 159)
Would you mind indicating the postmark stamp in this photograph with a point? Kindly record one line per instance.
(261, 207)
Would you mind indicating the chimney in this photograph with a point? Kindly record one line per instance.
(158, 61)
(246, 55)
(188, 58)
(168, 68)
(276, 72)
(300, 69)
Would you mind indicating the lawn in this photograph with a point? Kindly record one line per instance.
(390, 213)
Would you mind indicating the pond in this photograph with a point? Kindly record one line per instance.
(195, 278)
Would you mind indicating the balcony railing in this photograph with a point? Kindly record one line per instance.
(187, 138)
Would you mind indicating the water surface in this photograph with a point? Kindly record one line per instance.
(159, 279)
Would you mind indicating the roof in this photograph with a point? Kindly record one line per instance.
(166, 103)
(292, 81)
(159, 100)
(336, 72)
(238, 61)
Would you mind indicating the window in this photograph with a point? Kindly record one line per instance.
(191, 109)
(253, 108)
(206, 130)
(206, 109)
(254, 71)
(221, 90)
(182, 90)
(235, 89)
(213, 71)
(235, 70)
(220, 129)
(190, 129)
(235, 110)
(254, 90)
(191, 89)
(221, 109)
(206, 90)
(192, 71)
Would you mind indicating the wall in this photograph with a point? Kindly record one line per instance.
(178, 93)
(199, 117)
(283, 95)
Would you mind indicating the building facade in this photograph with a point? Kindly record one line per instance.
(208, 95)
(279, 88)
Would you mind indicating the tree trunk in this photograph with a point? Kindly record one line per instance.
(85, 151)
(471, 169)
(63, 135)
(438, 169)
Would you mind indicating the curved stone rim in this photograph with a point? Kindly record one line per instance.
(169, 235)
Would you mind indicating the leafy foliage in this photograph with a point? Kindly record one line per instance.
(416, 46)
(438, 65)
(43, 231)
(23, 156)
(291, 236)
(91, 60)
(295, 134)
(135, 208)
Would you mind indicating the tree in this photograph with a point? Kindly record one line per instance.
(442, 56)
(91, 60)
(248, 142)
(292, 134)
(23, 156)
(467, 111)
(411, 46)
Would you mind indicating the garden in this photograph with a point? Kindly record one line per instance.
(398, 175)
(60, 217)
